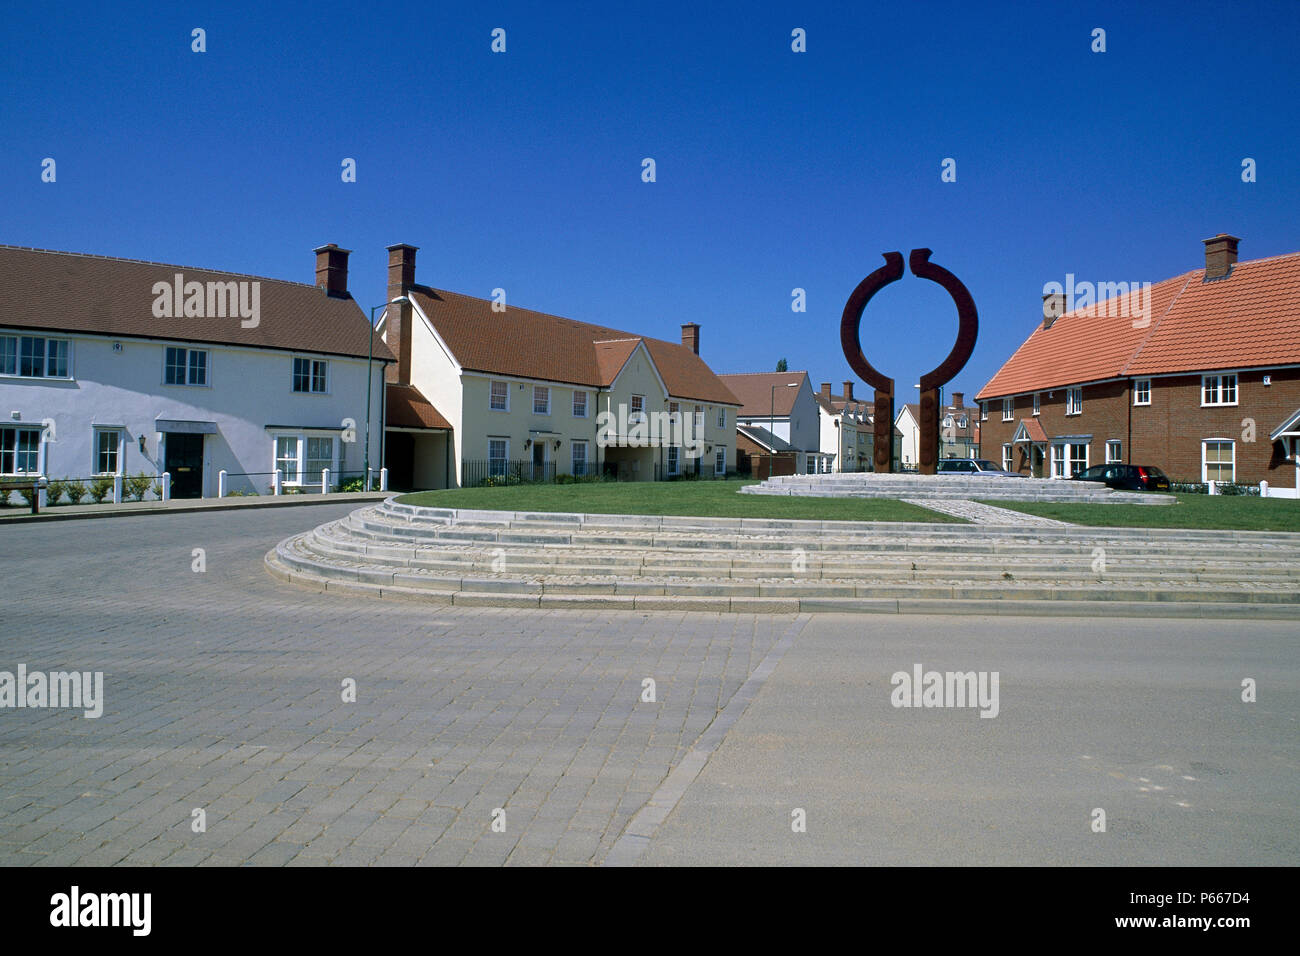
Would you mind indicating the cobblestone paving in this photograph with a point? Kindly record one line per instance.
(979, 513)
(223, 693)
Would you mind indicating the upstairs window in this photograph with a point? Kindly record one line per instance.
(1037, 403)
(579, 405)
(541, 400)
(1074, 401)
(33, 356)
(1219, 389)
(1142, 391)
(309, 375)
(1008, 409)
(984, 411)
(722, 418)
(638, 409)
(185, 366)
(500, 401)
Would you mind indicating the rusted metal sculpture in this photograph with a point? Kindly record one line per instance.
(851, 341)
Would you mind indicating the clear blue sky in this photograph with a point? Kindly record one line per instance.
(775, 169)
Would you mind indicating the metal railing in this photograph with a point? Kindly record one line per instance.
(116, 489)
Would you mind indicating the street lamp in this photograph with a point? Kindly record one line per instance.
(370, 354)
(771, 426)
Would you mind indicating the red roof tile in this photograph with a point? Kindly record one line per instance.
(1251, 317)
(756, 393)
(406, 407)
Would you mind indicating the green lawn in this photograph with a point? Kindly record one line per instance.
(1219, 512)
(714, 499)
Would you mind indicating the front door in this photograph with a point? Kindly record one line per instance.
(539, 460)
(184, 460)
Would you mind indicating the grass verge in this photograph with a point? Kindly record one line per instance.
(1211, 512)
(709, 499)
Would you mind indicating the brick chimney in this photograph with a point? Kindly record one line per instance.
(1220, 255)
(691, 336)
(958, 400)
(1053, 308)
(332, 269)
(401, 276)
(826, 390)
(848, 391)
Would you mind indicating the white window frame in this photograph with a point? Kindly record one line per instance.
(699, 419)
(312, 362)
(576, 412)
(505, 459)
(304, 479)
(1007, 453)
(17, 429)
(1205, 447)
(187, 367)
(543, 392)
(1117, 457)
(1220, 388)
(1074, 400)
(636, 415)
(674, 460)
(1070, 457)
(1062, 464)
(720, 461)
(1142, 391)
(505, 388)
(578, 443)
(722, 418)
(1037, 403)
(1009, 409)
(120, 452)
(17, 356)
(984, 411)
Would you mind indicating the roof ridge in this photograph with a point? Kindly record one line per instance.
(150, 262)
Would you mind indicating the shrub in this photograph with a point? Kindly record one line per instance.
(4, 498)
(250, 493)
(353, 485)
(54, 490)
(74, 489)
(136, 486)
(27, 495)
(101, 488)
(156, 490)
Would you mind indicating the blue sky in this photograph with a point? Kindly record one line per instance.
(775, 169)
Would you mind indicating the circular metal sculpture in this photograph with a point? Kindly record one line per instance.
(851, 342)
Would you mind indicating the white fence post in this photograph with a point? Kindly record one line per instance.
(369, 480)
(42, 497)
(166, 486)
(383, 479)
(117, 489)
(221, 483)
(276, 482)
(324, 481)
(1263, 489)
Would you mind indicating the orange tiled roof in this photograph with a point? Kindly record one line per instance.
(1251, 317)
(537, 345)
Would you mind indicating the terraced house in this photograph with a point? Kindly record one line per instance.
(1202, 380)
(113, 367)
(508, 393)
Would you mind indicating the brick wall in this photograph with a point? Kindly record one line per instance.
(1168, 432)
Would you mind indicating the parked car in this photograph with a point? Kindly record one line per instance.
(1127, 477)
(973, 466)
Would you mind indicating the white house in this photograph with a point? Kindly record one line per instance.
(122, 367)
(492, 392)
(778, 414)
(958, 431)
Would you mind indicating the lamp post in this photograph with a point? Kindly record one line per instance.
(370, 355)
(771, 426)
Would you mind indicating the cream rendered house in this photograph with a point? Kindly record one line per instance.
(533, 396)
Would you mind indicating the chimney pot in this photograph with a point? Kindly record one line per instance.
(332, 269)
(1220, 255)
(691, 336)
(1053, 308)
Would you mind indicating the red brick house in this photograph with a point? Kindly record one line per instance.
(1199, 376)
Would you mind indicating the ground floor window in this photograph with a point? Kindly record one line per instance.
(720, 461)
(286, 459)
(674, 460)
(108, 451)
(300, 459)
(498, 452)
(1114, 452)
(579, 458)
(20, 451)
(1069, 458)
(1218, 460)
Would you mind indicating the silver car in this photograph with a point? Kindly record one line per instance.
(973, 466)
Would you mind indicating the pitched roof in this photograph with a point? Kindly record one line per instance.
(1250, 317)
(72, 292)
(758, 390)
(1031, 429)
(536, 345)
(764, 438)
(406, 407)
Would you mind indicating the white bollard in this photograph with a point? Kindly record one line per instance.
(117, 489)
(166, 486)
(1263, 489)
(324, 481)
(42, 497)
(369, 479)
(1212, 487)
(277, 482)
(383, 479)
(221, 483)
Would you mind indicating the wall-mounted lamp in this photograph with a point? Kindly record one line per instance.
(141, 444)
(528, 443)
(557, 444)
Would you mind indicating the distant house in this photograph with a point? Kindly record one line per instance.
(958, 431)
(847, 430)
(1198, 375)
(116, 366)
(778, 420)
(489, 392)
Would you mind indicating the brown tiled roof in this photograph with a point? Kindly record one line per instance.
(1034, 429)
(1251, 317)
(537, 345)
(406, 407)
(71, 292)
(754, 389)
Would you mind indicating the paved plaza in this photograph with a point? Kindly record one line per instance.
(224, 693)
